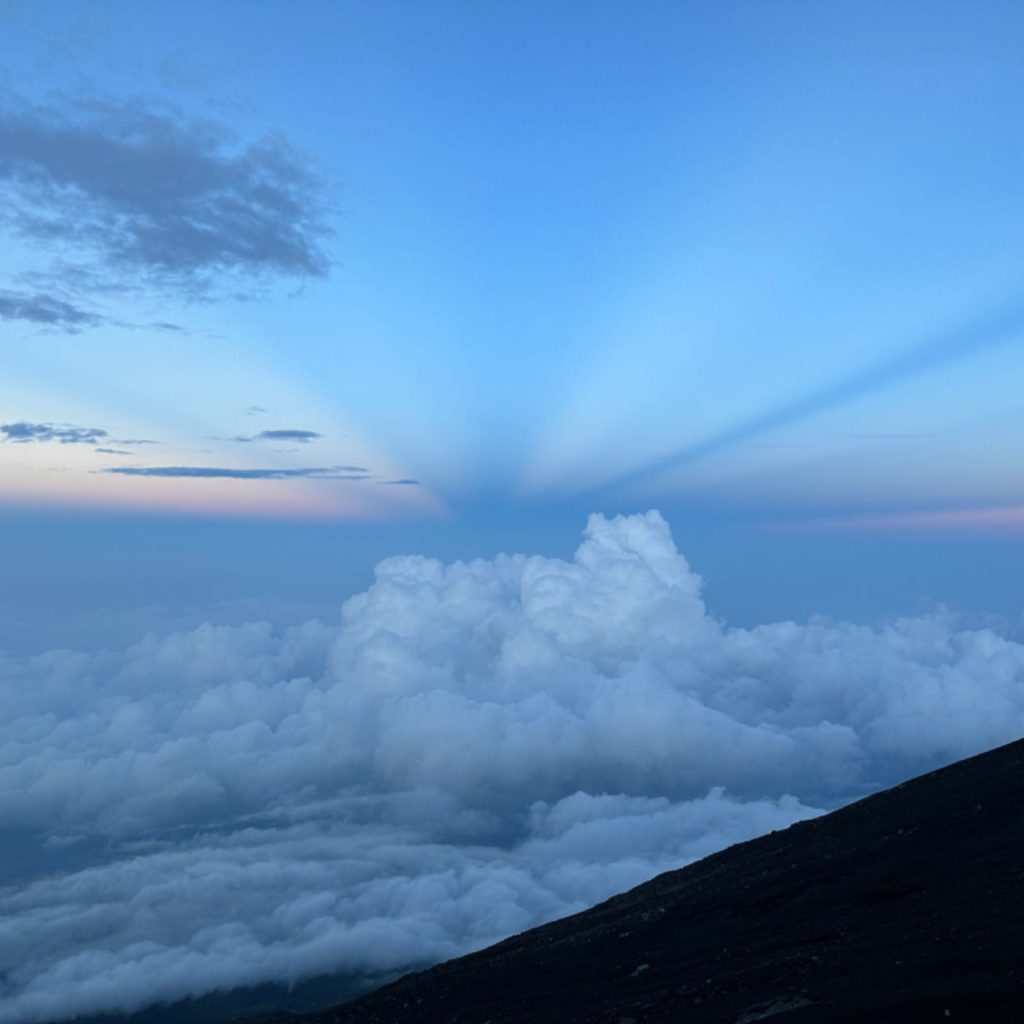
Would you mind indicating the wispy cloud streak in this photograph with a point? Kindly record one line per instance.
(228, 473)
(45, 310)
(301, 436)
(24, 433)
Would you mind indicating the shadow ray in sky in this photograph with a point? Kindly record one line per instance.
(997, 329)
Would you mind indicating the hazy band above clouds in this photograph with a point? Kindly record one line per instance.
(474, 749)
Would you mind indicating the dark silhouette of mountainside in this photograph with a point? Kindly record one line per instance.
(906, 906)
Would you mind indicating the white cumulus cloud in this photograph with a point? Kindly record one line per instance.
(474, 748)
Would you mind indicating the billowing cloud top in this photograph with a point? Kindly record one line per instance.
(475, 748)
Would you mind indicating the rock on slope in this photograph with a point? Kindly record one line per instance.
(906, 906)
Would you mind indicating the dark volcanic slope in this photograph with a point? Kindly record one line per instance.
(907, 906)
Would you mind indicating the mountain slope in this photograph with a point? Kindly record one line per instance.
(906, 906)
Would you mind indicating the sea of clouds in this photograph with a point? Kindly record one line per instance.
(474, 749)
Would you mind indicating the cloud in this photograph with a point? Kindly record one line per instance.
(112, 451)
(372, 897)
(301, 436)
(45, 310)
(136, 194)
(49, 311)
(473, 749)
(23, 432)
(406, 482)
(209, 472)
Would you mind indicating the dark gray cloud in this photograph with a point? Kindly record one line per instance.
(405, 482)
(141, 195)
(38, 307)
(221, 472)
(23, 432)
(301, 436)
(45, 310)
(112, 451)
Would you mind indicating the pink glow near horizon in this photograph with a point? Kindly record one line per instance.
(999, 518)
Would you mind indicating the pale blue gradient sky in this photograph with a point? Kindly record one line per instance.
(758, 265)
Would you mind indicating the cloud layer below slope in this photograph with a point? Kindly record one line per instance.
(474, 749)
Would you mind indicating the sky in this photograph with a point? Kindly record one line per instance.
(325, 329)
(427, 269)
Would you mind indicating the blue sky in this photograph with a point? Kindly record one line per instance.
(756, 265)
